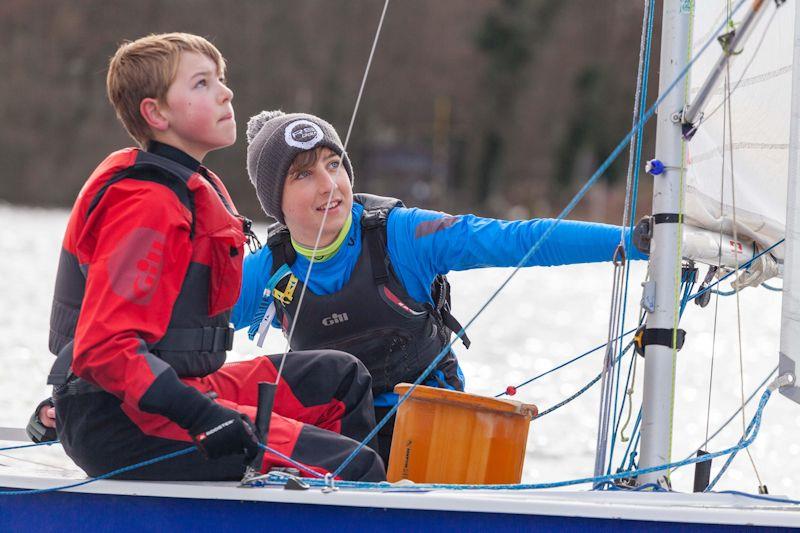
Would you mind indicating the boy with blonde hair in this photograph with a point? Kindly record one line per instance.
(150, 268)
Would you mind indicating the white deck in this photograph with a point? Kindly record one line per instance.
(39, 468)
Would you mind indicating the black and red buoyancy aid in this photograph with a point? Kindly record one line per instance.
(372, 316)
(198, 334)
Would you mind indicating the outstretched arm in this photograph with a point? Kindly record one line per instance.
(425, 243)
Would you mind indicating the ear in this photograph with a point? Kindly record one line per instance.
(150, 108)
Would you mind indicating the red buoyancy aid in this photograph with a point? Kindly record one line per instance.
(197, 335)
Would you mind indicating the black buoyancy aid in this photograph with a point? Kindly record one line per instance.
(372, 317)
(199, 333)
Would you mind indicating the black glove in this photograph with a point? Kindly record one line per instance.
(37, 431)
(220, 431)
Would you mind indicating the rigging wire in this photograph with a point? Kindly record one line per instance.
(631, 197)
(330, 195)
(736, 260)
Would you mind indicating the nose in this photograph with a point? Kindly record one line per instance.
(326, 179)
(226, 94)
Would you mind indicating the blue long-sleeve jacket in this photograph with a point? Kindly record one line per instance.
(422, 244)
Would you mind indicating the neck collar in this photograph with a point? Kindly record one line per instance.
(170, 152)
(323, 254)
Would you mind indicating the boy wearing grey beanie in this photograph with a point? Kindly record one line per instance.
(377, 287)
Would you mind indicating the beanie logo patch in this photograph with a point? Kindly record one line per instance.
(303, 134)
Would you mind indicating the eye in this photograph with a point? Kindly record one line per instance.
(302, 174)
(223, 81)
(201, 83)
(335, 164)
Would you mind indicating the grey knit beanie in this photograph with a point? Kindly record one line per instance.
(273, 141)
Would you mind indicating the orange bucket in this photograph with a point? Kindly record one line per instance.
(446, 436)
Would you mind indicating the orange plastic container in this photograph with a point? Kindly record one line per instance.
(445, 436)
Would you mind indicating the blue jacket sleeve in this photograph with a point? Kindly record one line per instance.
(425, 243)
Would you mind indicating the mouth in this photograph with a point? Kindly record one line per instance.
(229, 116)
(333, 204)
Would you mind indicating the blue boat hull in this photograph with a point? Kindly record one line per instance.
(63, 511)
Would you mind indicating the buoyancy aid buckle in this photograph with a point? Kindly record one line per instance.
(253, 244)
(286, 295)
(374, 218)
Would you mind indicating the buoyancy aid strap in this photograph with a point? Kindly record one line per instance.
(454, 325)
(374, 224)
(206, 339)
(280, 244)
(62, 367)
(157, 174)
(440, 292)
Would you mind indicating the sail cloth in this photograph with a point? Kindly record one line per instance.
(761, 78)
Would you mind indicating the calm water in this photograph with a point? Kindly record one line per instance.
(544, 317)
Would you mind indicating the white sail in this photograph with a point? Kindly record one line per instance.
(760, 109)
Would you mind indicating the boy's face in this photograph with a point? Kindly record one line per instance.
(198, 108)
(305, 200)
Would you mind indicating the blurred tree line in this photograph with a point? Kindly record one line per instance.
(500, 107)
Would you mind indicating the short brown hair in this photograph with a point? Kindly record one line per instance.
(145, 68)
(305, 160)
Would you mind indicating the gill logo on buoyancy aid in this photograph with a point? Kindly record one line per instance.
(335, 318)
(375, 319)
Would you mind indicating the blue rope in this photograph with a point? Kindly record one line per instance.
(730, 419)
(132, 467)
(634, 199)
(300, 466)
(535, 248)
(562, 365)
(743, 443)
(760, 497)
(687, 280)
(113, 473)
(730, 458)
(771, 288)
(34, 445)
(723, 293)
(581, 391)
(618, 419)
(731, 273)
(633, 443)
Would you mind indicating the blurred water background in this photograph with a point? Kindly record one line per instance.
(544, 317)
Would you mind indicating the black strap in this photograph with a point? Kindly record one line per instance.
(280, 244)
(667, 218)
(156, 174)
(62, 368)
(454, 325)
(659, 336)
(377, 257)
(206, 339)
